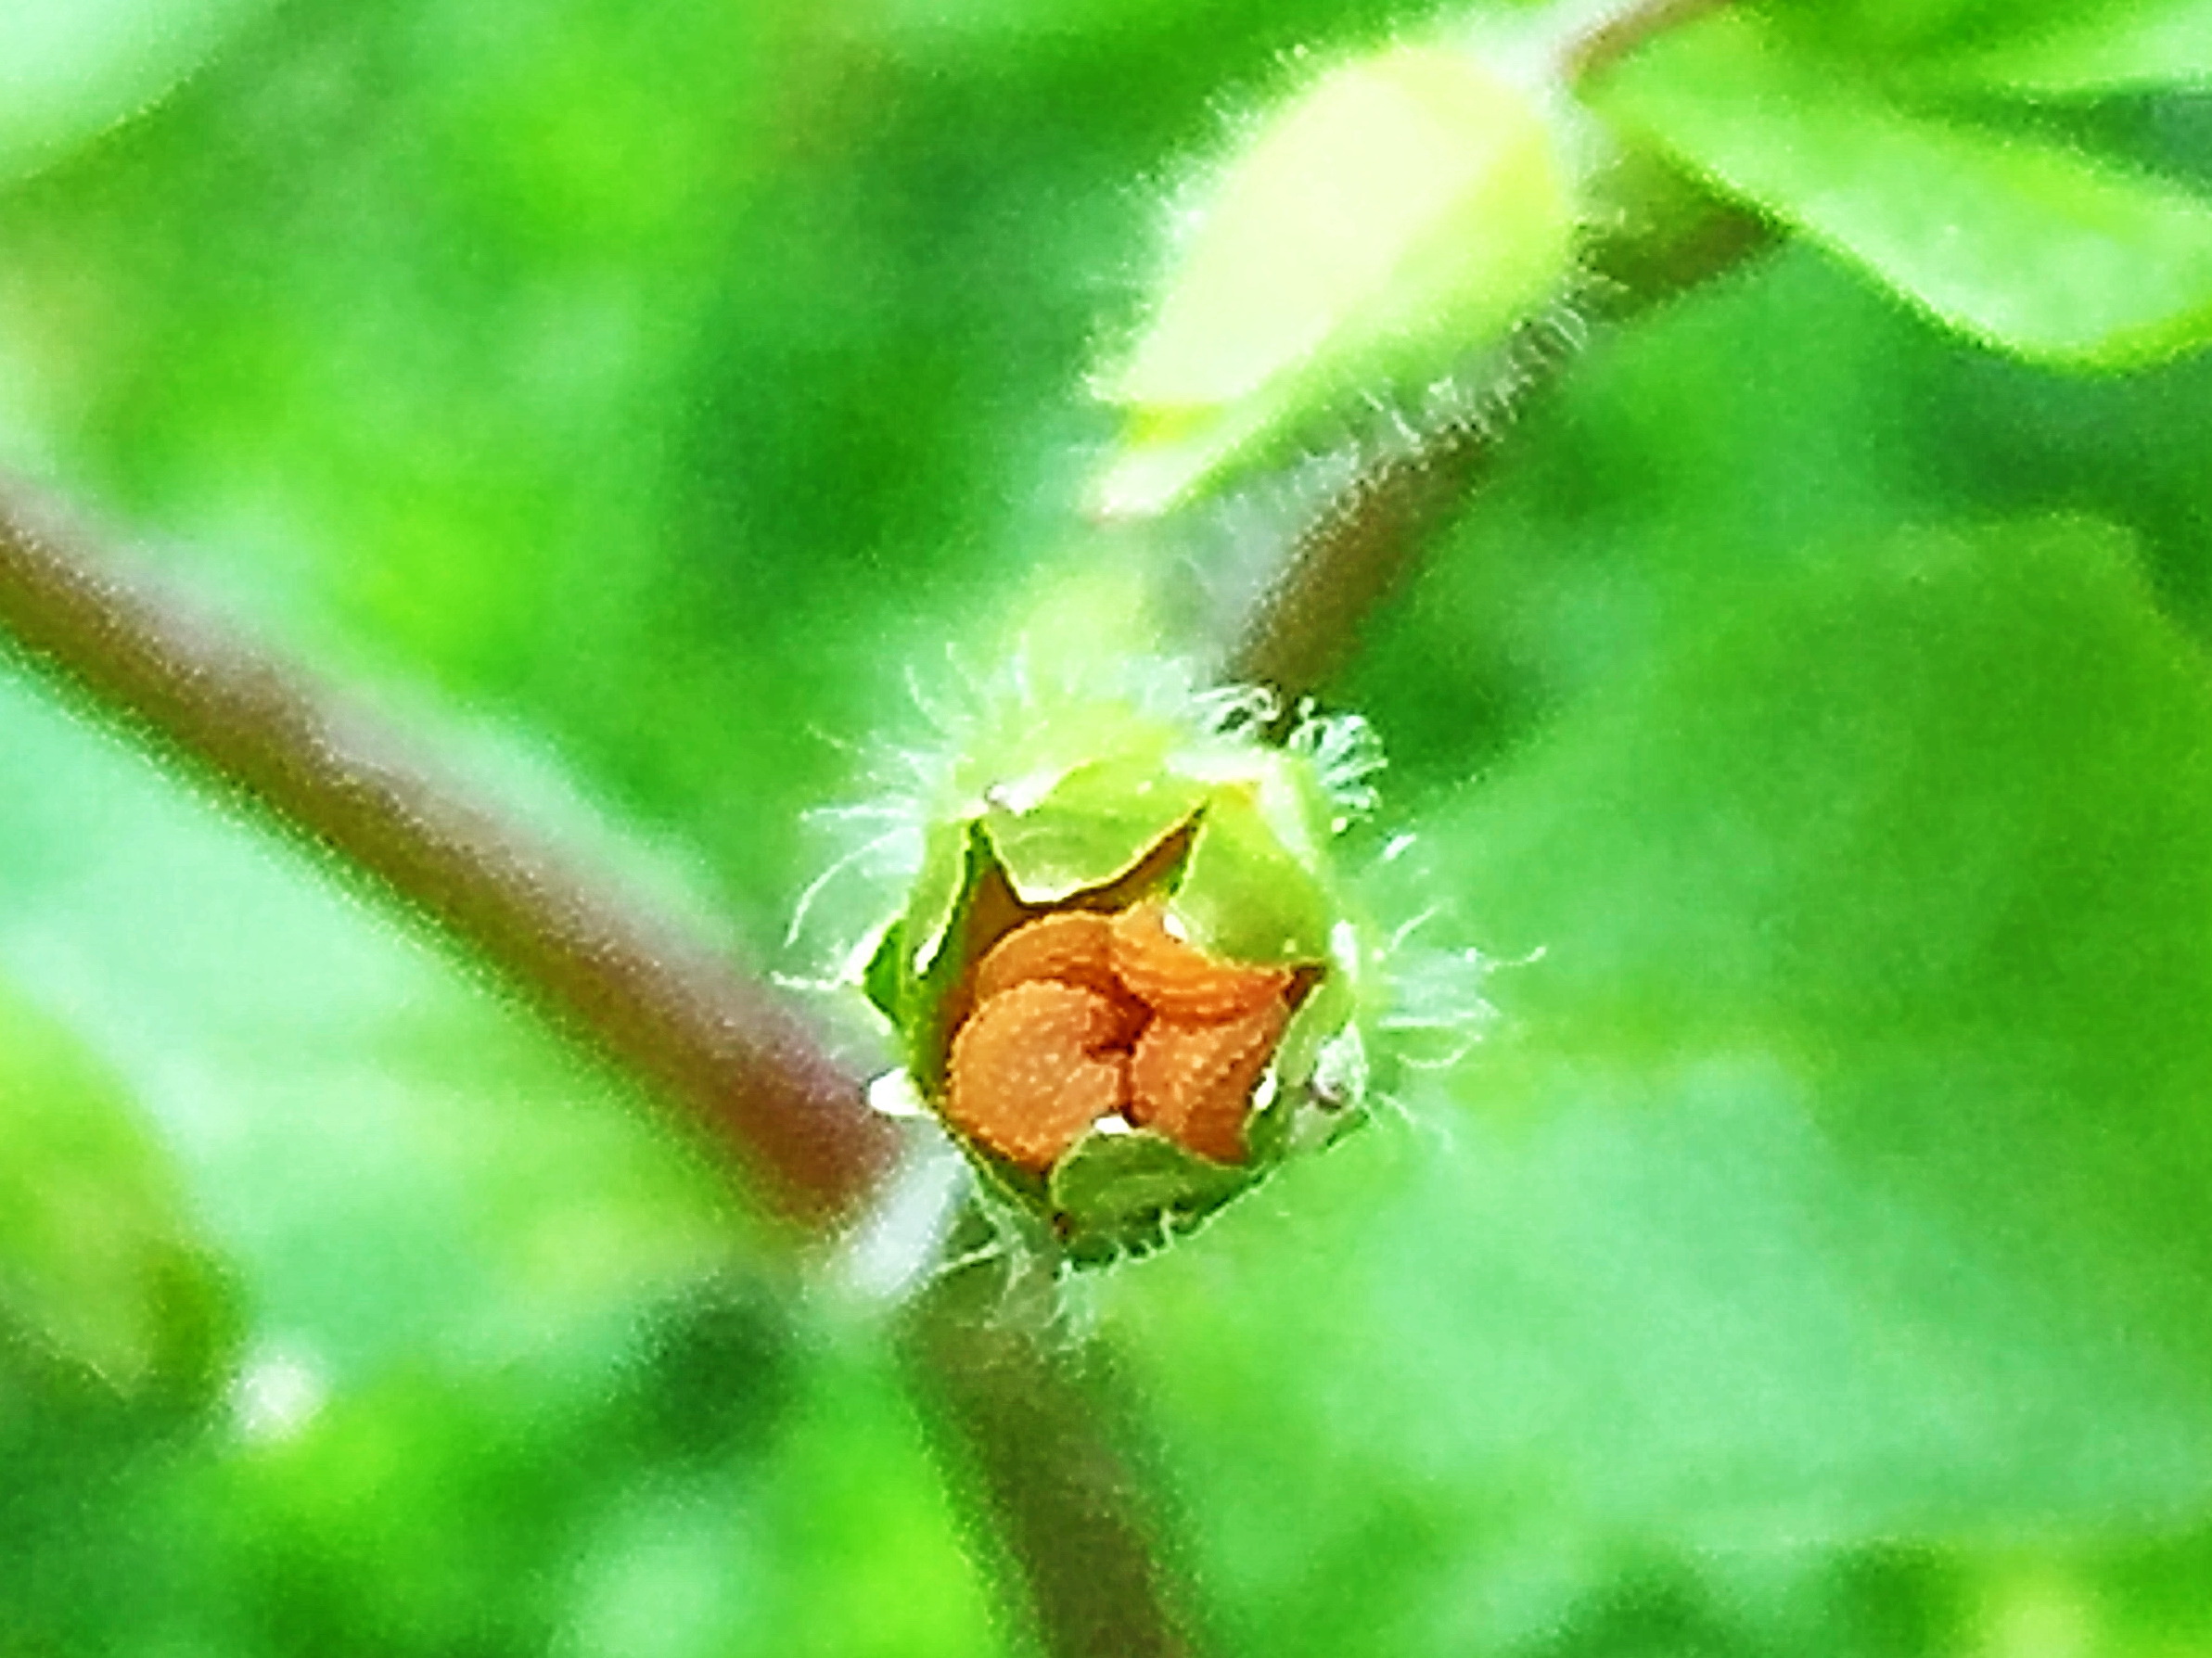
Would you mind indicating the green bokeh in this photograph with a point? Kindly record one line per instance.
(626, 397)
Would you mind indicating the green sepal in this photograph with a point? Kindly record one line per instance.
(1327, 1010)
(1017, 1191)
(1246, 897)
(1099, 822)
(886, 977)
(1116, 1194)
(927, 1012)
(937, 890)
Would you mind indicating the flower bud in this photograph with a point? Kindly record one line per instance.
(1122, 979)
(1407, 210)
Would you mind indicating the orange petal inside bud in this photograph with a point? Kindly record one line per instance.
(1193, 1082)
(1180, 982)
(1071, 947)
(1034, 1067)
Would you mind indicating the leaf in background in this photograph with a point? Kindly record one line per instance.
(402, 1166)
(2124, 45)
(452, 1232)
(69, 68)
(1931, 835)
(2031, 247)
(99, 1264)
(695, 1514)
(1839, 1178)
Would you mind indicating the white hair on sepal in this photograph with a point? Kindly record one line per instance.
(1424, 982)
(1230, 546)
(1235, 711)
(871, 864)
(1436, 1131)
(1346, 754)
(961, 716)
(872, 847)
(1438, 1007)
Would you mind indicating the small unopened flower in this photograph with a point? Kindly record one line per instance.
(1122, 974)
(1402, 214)
(1125, 971)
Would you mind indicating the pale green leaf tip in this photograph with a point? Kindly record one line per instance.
(1160, 465)
(1408, 209)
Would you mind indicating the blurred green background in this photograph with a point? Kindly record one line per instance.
(626, 397)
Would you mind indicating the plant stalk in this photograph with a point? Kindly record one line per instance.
(1032, 1421)
(1359, 551)
(727, 1054)
(1036, 1434)
(1614, 37)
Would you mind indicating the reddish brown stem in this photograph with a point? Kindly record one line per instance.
(1032, 1424)
(1038, 1435)
(1358, 553)
(1599, 48)
(729, 1055)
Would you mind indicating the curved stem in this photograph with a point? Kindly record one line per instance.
(1030, 1421)
(1361, 548)
(1358, 552)
(730, 1056)
(1598, 48)
(1036, 1430)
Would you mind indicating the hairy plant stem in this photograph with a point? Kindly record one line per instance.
(1357, 552)
(1360, 549)
(722, 1049)
(1039, 1435)
(1034, 1419)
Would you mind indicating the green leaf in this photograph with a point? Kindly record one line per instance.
(942, 881)
(2033, 248)
(1935, 835)
(884, 980)
(1894, 33)
(2121, 45)
(1838, 1174)
(431, 1508)
(98, 1262)
(68, 69)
